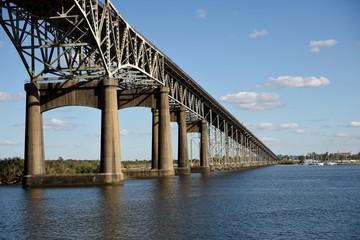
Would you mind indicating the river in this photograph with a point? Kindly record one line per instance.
(276, 202)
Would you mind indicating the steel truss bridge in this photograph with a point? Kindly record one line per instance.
(88, 40)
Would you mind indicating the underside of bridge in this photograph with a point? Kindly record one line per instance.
(83, 53)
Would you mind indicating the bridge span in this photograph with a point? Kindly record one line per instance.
(84, 53)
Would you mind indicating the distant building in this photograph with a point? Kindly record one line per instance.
(345, 153)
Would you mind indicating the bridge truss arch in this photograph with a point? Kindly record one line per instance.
(89, 40)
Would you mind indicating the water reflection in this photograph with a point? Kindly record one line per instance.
(165, 200)
(111, 209)
(34, 213)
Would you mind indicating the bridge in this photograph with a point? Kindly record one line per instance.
(84, 53)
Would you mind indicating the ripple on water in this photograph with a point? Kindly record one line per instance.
(279, 202)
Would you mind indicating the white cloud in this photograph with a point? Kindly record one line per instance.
(314, 46)
(260, 33)
(253, 100)
(270, 139)
(343, 139)
(296, 82)
(58, 125)
(354, 124)
(7, 143)
(267, 126)
(272, 127)
(289, 125)
(9, 97)
(124, 132)
(201, 13)
(300, 131)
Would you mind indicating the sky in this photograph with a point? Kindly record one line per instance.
(288, 70)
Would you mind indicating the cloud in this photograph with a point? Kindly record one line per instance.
(272, 127)
(10, 97)
(58, 125)
(1, 44)
(314, 46)
(124, 132)
(260, 33)
(300, 131)
(354, 124)
(296, 82)
(357, 43)
(343, 139)
(201, 13)
(270, 139)
(267, 126)
(7, 143)
(289, 125)
(253, 100)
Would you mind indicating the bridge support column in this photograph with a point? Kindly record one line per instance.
(34, 139)
(165, 151)
(155, 139)
(183, 160)
(204, 160)
(110, 163)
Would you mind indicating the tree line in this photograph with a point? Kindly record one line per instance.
(12, 169)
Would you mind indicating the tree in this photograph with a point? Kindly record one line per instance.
(301, 159)
(11, 170)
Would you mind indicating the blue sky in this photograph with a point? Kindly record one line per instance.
(289, 70)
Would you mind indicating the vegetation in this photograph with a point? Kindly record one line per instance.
(288, 162)
(136, 164)
(11, 169)
(321, 156)
(70, 166)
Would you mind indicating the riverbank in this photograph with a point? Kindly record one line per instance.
(11, 169)
(313, 162)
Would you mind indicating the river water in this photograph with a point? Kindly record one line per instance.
(277, 202)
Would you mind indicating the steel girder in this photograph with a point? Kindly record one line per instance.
(88, 40)
(80, 39)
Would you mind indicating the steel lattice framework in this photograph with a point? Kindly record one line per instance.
(88, 40)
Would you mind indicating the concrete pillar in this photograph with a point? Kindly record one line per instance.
(34, 137)
(155, 139)
(183, 160)
(204, 162)
(110, 136)
(165, 150)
